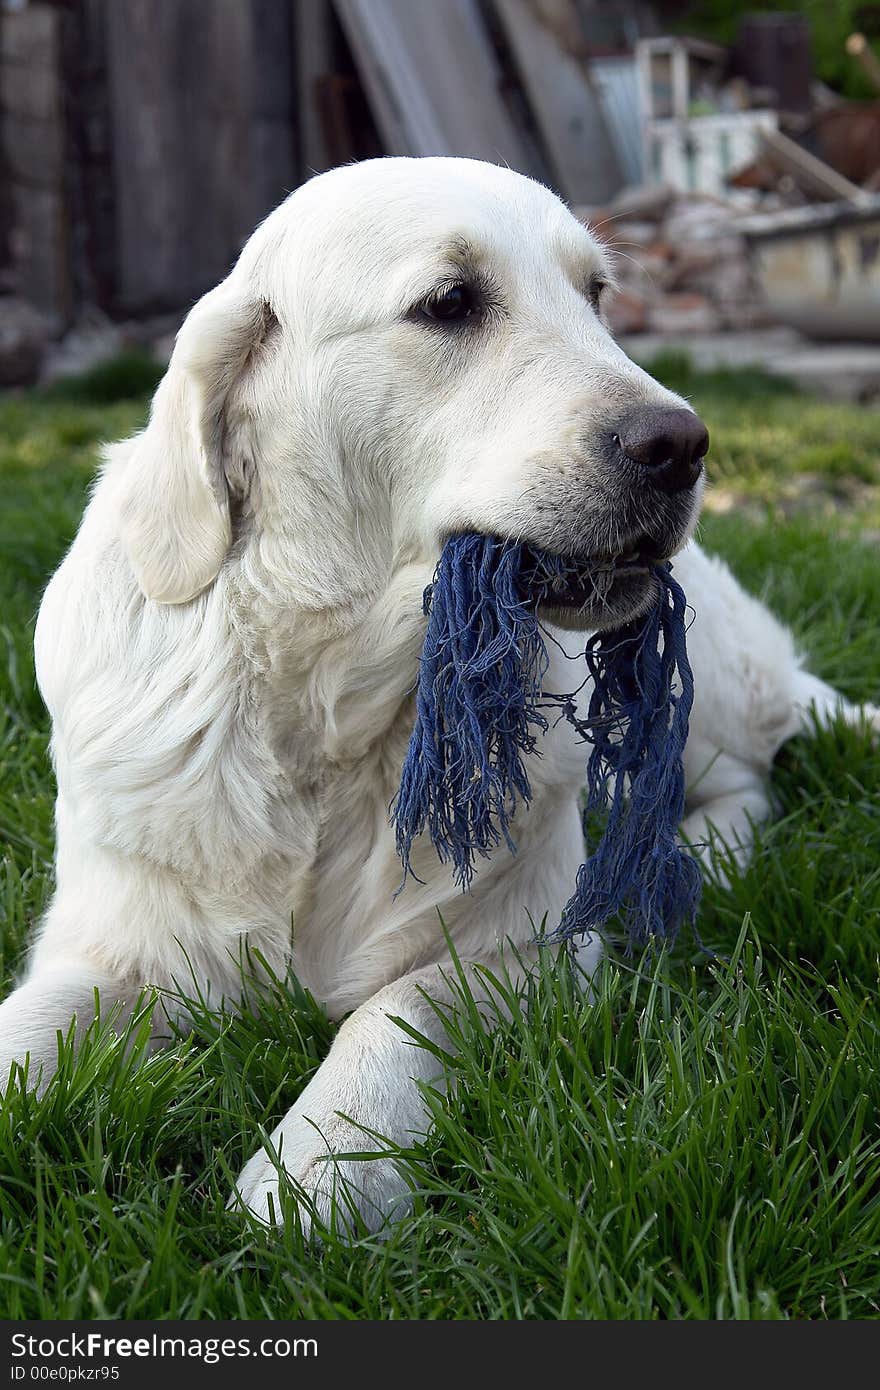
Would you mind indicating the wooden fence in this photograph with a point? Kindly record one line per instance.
(142, 140)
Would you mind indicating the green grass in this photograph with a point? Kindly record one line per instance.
(699, 1141)
(775, 448)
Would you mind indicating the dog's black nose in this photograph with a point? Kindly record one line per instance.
(668, 444)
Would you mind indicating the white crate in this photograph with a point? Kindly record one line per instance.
(684, 144)
(698, 155)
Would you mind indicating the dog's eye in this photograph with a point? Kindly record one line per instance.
(595, 290)
(452, 305)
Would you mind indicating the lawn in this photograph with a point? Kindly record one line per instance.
(700, 1141)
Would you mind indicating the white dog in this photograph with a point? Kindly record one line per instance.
(405, 349)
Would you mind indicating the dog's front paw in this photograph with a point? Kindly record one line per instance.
(348, 1195)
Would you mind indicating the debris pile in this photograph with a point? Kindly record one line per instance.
(108, 218)
(681, 264)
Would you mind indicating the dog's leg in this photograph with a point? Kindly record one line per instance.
(50, 999)
(815, 700)
(365, 1087)
(729, 796)
(727, 799)
(368, 1081)
(751, 695)
(728, 793)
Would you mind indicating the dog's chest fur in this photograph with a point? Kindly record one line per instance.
(237, 793)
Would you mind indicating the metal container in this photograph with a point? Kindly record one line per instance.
(819, 267)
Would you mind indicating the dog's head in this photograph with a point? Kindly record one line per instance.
(407, 349)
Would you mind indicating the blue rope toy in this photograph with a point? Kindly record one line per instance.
(480, 708)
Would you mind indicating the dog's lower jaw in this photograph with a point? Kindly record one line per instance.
(629, 595)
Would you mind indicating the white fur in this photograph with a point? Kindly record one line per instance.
(229, 649)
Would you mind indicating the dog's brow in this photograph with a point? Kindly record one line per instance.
(454, 257)
(585, 259)
(461, 254)
(460, 249)
(591, 269)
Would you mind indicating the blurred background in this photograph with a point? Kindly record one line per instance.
(729, 153)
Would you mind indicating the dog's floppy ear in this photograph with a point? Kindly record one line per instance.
(174, 495)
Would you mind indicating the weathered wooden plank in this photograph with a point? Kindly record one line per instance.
(432, 79)
(170, 172)
(41, 255)
(313, 43)
(29, 81)
(811, 174)
(33, 153)
(90, 173)
(201, 111)
(273, 105)
(542, 35)
(29, 37)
